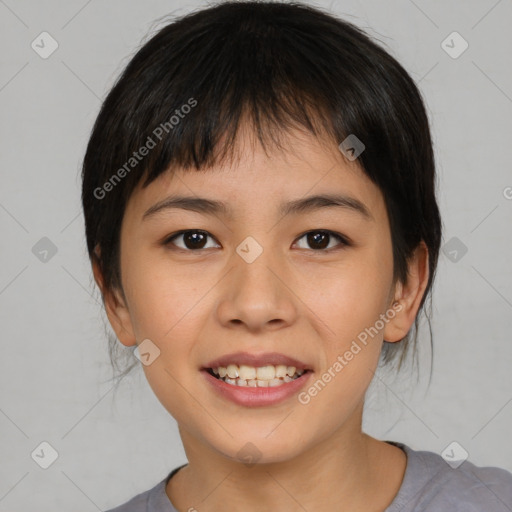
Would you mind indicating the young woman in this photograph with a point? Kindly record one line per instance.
(259, 200)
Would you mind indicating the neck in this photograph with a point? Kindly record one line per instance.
(347, 471)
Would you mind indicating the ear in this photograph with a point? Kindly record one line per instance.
(115, 306)
(408, 296)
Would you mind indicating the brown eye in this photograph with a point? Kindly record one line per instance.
(192, 239)
(320, 240)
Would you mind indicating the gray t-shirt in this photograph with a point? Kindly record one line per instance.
(429, 485)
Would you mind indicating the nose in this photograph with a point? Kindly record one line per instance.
(257, 295)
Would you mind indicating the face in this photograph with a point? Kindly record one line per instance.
(256, 278)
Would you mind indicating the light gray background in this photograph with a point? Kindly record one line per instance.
(55, 368)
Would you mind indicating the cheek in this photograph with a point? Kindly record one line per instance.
(161, 297)
(350, 304)
(168, 307)
(164, 307)
(351, 297)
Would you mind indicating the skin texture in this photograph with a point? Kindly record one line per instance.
(297, 299)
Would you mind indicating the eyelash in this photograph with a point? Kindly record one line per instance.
(343, 239)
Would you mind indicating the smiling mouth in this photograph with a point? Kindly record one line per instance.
(261, 377)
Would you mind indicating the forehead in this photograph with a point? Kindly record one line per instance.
(255, 180)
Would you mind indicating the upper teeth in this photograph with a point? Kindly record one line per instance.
(245, 372)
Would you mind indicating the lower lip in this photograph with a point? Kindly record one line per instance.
(254, 396)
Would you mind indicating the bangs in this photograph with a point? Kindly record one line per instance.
(237, 71)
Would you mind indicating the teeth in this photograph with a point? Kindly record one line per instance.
(263, 376)
(280, 371)
(247, 372)
(232, 371)
(266, 372)
(290, 370)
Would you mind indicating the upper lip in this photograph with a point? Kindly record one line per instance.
(256, 360)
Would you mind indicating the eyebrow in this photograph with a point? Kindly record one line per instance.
(297, 206)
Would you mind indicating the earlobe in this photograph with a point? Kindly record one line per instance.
(115, 308)
(409, 295)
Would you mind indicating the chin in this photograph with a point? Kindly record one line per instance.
(253, 448)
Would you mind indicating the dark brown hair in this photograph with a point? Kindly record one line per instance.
(281, 65)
